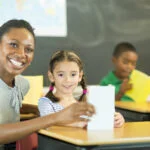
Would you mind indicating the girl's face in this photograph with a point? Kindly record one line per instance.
(16, 51)
(66, 76)
(125, 64)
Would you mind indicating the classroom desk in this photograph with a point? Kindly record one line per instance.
(29, 115)
(133, 111)
(133, 135)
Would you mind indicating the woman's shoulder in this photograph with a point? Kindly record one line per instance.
(22, 84)
(20, 79)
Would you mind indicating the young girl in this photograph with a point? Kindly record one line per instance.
(65, 73)
(124, 59)
(17, 44)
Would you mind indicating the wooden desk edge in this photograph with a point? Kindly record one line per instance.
(115, 141)
(137, 106)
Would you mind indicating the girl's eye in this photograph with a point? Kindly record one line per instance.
(60, 75)
(73, 74)
(12, 44)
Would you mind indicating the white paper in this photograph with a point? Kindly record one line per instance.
(103, 98)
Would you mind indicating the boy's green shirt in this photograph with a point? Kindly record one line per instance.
(111, 79)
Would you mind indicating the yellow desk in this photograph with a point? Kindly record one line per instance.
(133, 134)
(133, 111)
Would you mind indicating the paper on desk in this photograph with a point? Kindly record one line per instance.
(102, 97)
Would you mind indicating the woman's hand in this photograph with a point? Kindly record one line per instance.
(81, 124)
(74, 112)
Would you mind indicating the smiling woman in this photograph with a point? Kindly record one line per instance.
(17, 42)
(15, 58)
(16, 52)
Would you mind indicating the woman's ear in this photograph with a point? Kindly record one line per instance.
(80, 76)
(50, 76)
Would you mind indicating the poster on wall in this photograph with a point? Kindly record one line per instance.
(48, 17)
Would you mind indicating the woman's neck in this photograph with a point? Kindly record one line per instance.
(9, 80)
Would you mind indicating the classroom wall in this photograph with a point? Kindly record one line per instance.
(94, 27)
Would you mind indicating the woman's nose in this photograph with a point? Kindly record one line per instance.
(21, 52)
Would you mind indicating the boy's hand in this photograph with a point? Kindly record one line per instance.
(125, 86)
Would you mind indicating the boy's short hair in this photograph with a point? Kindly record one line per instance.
(123, 47)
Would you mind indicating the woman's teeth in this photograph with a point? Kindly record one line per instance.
(16, 63)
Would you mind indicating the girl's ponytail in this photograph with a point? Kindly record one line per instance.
(83, 97)
(50, 94)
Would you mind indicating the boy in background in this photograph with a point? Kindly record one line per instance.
(124, 59)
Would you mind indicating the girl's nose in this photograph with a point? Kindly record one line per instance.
(68, 78)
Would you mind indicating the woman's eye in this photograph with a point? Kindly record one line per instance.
(29, 50)
(14, 45)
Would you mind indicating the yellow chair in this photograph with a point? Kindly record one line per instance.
(140, 91)
(35, 91)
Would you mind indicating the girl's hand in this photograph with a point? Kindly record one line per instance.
(118, 120)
